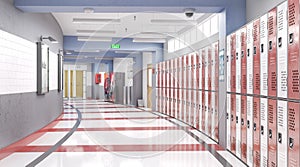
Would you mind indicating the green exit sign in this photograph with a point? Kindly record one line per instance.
(115, 46)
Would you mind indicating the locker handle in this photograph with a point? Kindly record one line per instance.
(237, 119)
(291, 142)
(291, 38)
(270, 45)
(262, 130)
(270, 134)
(280, 42)
(231, 117)
(227, 116)
(248, 124)
(279, 138)
(254, 126)
(242, 122)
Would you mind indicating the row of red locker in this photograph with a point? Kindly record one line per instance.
(192, 71)
(263, 56)
(196, 108)
(262, 131)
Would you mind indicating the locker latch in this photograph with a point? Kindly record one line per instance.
(237, 119)
(262, 130)
(254, 126)
(270, 133)
(279, 138)
(227, 116)
(291, 142)
(270, 45)
(231, 117)
(248, 124)
(242, 122)
(280, 41)
(291, 38)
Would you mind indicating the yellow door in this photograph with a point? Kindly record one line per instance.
(66, 81)
(71, 84)
(79, 84)
(149, 86)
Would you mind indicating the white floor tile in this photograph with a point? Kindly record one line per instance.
(231, 159)
(203, 137)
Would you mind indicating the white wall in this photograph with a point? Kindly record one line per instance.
(147, 59)
(256, 8)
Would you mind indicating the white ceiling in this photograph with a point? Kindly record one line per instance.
(138, 25)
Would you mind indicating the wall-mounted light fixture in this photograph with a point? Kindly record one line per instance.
(52, 40)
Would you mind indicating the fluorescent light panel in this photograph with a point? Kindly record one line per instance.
(95, 21)
(95, 32)
(149, 40)
(95, 39)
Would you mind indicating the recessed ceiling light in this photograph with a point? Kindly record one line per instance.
(149, 40)
(95, 21)
(98, 39)
(95, 32)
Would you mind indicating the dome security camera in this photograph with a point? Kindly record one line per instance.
(189, 12)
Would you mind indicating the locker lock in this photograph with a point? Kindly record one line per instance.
(280, 41)
(248, 124)
(291, 142)
(291, 38)
(242, 121)
(279, 138)
(254, 126)
(270, 45)
(237, 119)
(231, 117)
(227, 116)
(262, 130)
(270, 133)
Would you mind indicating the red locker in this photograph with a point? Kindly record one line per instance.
(191, 109)
(197, 78)
(264, 131)
(170, 101)
(244, 128)
(256, 131)
(233, 62)
(293, 50)
(209, 112)
(233, 124)
(238, 125)
(199, 122)
(243, 61)
(282, 50)
(238, 63)
(182, 72)
(182, 105)
(293, 134)
(203, 69)
(256, 57)
(216, 66)
(187, 108)
(157, 99)
(209, 66)
(213, 111)
(156, 76)
(272, 58)
(187, 71)
(200, 70)
(192, 71)
(216, 128)
(203, 111)
(272, 133)
(213, 72)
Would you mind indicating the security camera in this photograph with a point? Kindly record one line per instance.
(189, 12)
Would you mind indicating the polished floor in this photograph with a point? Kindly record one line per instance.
(93, 133)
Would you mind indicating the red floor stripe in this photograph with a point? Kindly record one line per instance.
(5, 152)
(118, 118)
(112, 129)
(121, 148)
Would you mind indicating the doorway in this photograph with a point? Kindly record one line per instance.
(149, 85)
(73, 84)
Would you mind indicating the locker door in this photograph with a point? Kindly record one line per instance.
(244, 128)
(200, 70)
(196, 74)
(183, 68)
(206, 67)
(228, 116)
(256, 131)
(293, 50)
(209, 112)
(216, 64)
(157, 99)
(213, 72)
(293, 134)
(272, 133)
(250, 131)
(184, 105)
(272, 55)
(243, 60)
(203, 112)
(264, 55)
(187, 71)
(200, 110)
(191, 107)
(206, 113)
(233, 62)
(228, 59)
(250, 58)
(282, 132)
(256, 57)
(204, 80)
(216, 116)
(191, 71)
(209, 66)
(282, 72)
(238, 125)
(213, 111)
(233, 124)
(196, 109)
(264, 131)
(238, 61)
